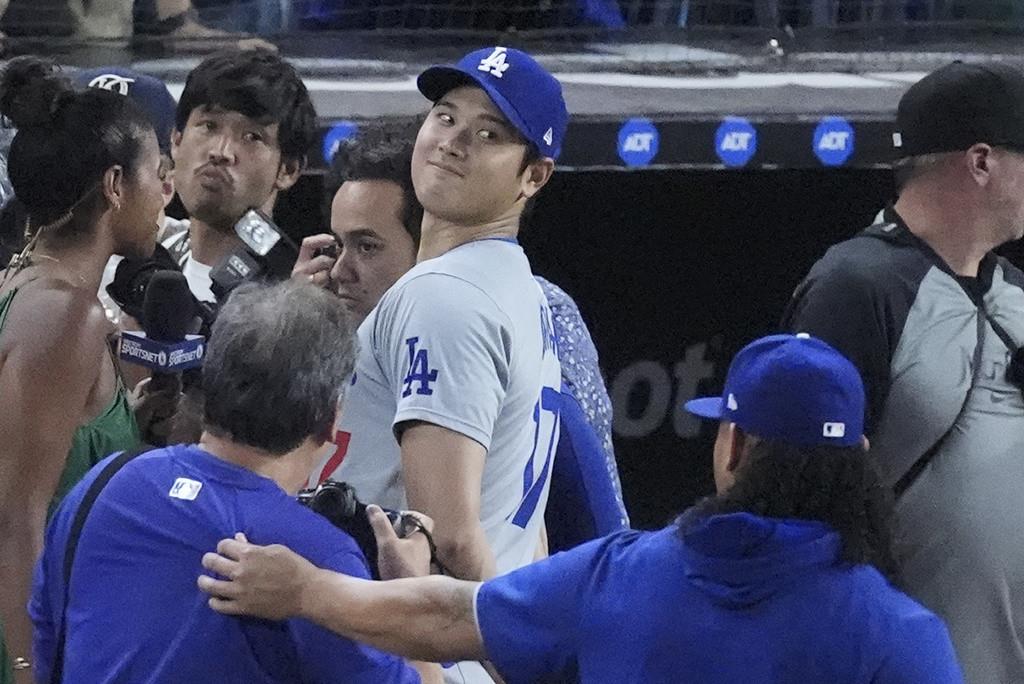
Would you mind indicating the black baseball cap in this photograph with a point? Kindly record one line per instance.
(960, 105)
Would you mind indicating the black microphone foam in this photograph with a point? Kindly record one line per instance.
(168, 308)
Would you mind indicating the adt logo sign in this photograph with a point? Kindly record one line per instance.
(638, 142)
(339, 133)
(735, 141)
(833, 141)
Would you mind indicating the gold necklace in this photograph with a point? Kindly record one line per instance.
(34, 255)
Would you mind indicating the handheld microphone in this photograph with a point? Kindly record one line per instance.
(265, 250)
(164, 345)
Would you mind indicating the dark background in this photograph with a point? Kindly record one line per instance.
(661, 260)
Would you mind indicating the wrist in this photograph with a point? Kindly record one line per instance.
(310, 587)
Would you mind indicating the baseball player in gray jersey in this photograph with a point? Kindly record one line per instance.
(453, 409)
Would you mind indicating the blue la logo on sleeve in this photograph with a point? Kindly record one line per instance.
(420, 371)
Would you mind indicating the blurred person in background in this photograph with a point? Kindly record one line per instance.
(780, 577)
(274, 374)
(86, 168)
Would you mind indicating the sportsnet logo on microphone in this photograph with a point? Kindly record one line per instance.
(167, 357)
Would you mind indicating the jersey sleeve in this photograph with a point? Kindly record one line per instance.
(842, 306)
(445, 347)
(920, 653)
(530, 620)
(327, 658)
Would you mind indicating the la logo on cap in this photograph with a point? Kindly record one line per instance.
(731, 402)
(496, 64)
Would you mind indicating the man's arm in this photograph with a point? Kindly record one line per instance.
(424, 618)
(443, 471)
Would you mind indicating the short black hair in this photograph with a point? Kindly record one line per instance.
(66, 141)
(838, 486)
(379, 154)
(260, 85)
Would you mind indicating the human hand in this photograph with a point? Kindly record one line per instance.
(261, 581)
(406, 556)
(155, 404)
(310, 267)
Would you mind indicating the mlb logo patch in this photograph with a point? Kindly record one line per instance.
(834, 430)
(185, 489)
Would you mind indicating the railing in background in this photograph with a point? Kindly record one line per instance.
(122, 18)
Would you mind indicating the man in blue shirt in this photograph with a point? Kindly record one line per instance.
(778, 578)
(277, 362)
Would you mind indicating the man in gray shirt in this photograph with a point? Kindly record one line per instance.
(932, 318)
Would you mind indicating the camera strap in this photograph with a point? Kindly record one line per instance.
(77, 525)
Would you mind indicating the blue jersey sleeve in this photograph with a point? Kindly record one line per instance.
(327, 658)
(920, 653)
(531, 619)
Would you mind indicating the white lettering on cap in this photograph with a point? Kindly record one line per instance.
(731, 402)
(834, 430)
(496, 64)
(112, 82)
(549, 136)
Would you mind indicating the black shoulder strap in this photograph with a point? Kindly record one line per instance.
(57, 673)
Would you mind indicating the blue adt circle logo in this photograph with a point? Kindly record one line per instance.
(735, 141)
(833, 141)
(340, 132)
(638, 142)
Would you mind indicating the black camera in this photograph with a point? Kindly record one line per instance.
(265, 249)
(337, 502)
(1015, 370)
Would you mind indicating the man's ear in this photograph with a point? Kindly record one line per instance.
(979, 159)
(288, 173)
(175, 143)
(536, 176)
(737, 445)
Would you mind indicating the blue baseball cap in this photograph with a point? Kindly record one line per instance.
(529, 97)
(150, 93)
(792, 388)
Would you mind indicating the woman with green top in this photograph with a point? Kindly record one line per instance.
(86, 167)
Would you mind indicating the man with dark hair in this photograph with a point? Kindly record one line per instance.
(934, 321)
(243, 127)
(778, 578)
(274, 372)
(375, 218)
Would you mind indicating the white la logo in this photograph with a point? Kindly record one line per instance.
(112, 82)
(496, 64)
(549, 136)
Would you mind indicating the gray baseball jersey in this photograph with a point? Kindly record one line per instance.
(463, 341)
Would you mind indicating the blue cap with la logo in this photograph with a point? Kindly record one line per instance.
(792, 388)
(529, 97)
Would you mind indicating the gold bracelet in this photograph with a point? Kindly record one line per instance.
(21, 664)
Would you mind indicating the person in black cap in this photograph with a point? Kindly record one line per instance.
(776, 579)
(934, 320)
